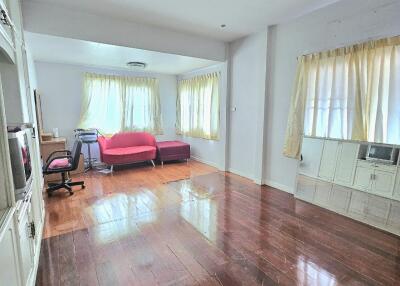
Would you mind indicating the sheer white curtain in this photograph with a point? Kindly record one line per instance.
(198, 107)
(347, 93)
(113, 104)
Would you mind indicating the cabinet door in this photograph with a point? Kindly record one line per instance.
(328, 160)
(377, 210)
(305, 188)
(394, 216)
(358, 204)
(311, 152)
(383, 182)
(362, 179)
(322, 193)
(346, 163)
(25, 244)
(9, 274)
(340, 199)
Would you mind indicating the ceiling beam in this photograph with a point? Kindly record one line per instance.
(58, 21)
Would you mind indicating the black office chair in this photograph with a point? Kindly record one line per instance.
(69, 162)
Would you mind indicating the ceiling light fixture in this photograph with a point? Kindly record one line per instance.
(223, 26)
(136, 65)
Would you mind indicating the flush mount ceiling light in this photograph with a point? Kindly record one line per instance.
(136, 65)
(223, 26)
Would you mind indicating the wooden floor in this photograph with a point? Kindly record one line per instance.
(191, 225)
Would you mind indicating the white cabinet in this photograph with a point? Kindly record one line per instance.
(334, 174)
(328, 160)
(9, 271)
(346, 163)
(311, 152)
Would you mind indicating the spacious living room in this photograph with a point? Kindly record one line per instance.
(199, 142)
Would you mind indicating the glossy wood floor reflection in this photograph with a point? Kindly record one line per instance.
(191, 225)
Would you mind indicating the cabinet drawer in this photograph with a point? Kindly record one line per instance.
(340, 198)
(377, 209)
(322, 193)
(365, 164)
(305, 188)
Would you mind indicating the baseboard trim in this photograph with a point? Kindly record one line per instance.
(241, 174)
(201, 160)
(279, 186)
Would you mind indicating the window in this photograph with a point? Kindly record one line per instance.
(113, 104)
(198, 107)
(347, 93)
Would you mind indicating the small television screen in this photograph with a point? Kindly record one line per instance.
(380, 152)
(20, 158)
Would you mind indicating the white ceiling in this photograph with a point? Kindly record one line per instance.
(201, 17)
(70, 51)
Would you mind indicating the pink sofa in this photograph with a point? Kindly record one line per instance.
(127, 147)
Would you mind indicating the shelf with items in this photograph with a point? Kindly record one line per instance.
(7, 44)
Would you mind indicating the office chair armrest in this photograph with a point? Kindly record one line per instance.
(46, 168)
(58, 151)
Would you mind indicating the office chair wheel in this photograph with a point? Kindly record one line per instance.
(83, 186)
(71, 193)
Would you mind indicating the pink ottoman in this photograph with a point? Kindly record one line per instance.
(172, 150)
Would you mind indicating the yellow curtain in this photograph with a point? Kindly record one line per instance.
(347, 93)
(116, 103)
(197, 107)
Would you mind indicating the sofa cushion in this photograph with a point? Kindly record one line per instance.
(129, 150)
(129, 154)
(131, 139)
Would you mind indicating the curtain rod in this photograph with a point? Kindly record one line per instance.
(377, 38)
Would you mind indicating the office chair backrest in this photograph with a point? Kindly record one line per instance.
(76, 153)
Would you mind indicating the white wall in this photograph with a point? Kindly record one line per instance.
(341, 24)
(248, 57)
(61, 86)
(54, 20)
(212, 152)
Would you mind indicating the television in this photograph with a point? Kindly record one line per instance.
(21, 163)
(381, 153)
